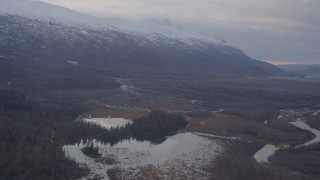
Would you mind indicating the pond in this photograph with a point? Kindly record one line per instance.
(181, 155)
(262, 156)
(108, 122)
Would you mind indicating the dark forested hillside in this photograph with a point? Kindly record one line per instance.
(30, 139)
(31, 136)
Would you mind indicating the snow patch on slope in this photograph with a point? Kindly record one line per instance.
(157, 31)
(155, 28)
(45, 11)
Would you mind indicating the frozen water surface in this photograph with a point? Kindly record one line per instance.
(303, 125)
(263, 154)
(108, 123)
(185, 151)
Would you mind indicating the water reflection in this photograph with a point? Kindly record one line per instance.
(191, 150)
(108, 122)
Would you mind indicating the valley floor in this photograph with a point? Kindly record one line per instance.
(250, 128)
(256, 117)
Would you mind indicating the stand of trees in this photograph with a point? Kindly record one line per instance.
(91, 151)
(32, 134)
(154, 127)
(157, 123)
(29, 148)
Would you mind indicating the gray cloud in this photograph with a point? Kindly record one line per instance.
(278, 30)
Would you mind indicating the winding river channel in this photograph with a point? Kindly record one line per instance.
(302, 125)
(268, 150)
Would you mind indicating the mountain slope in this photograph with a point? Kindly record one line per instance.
(42, 10)
(61, 49)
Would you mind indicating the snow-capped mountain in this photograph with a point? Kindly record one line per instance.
(45, 11)
(153, 28)
(48, 36)
(150, 27)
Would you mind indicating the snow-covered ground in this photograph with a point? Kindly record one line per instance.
(214, 112)
(154, 30)
(262, 156)
(74, 63)
(45, 11)
(197, 102)
(218, 111)
(127, 87)
(186, 152)
(108, 122)
(216, 136)
(316, 113)
(116, 107)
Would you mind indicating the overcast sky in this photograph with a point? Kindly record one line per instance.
(279, 31)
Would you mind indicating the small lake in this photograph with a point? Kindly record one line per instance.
(181, 155)
(262, 156)
(108, 122)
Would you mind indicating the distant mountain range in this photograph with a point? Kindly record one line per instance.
(37, 37)
(301, 68)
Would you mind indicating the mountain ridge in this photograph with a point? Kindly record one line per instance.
(111, 51)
